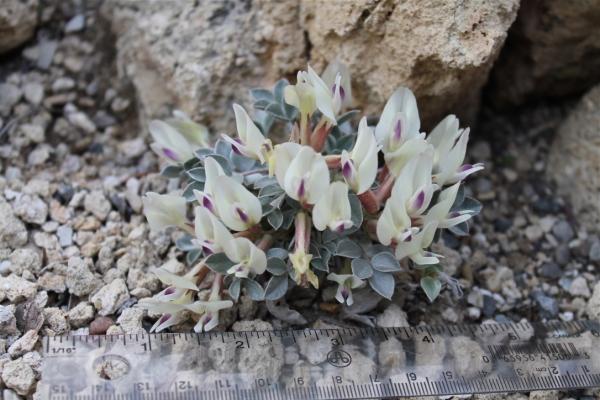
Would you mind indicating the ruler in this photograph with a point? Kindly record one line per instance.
(344, 363)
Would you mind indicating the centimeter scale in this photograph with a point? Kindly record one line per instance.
(344, 363)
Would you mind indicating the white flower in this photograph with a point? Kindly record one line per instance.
(359, 167)
(332, 210)
(310, 93)
(167, 320)
(196, 134)
(213, 173)
(211, 234)
(301, 172)
(346, 282)
(252, 142)
(172, 312)
(441, 214)
(164, 210)
(247, 258)
(413, 245)
(209, 313)
(337, 77)
(414, 187)
(450, 145)
(398, 130)
(171, 279)
(394, 222)
(237, 207)
(170, 143)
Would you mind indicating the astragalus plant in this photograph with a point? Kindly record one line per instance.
(327, 203)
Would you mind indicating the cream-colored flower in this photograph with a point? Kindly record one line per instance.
(359, 167)
(337, 77)
(398, 130)
(301, 265)
(248, 258)
(211, 234)
(209, 313)
(441, 214)
(346, 282)
(213, 173)
(332, 210)
(301, 172)
(237, 207)
(169, 142)
(196, 134)
(414, 188)
(164, 210)
(450, 144)
(250, 142)
(310, 93)
(413, 245)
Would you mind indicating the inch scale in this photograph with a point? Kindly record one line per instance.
(344, 363)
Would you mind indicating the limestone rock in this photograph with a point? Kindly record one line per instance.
(18, 19)
(443, 51)
(574, 161)
(200, 56)
(16, 289)
(80, 280)
(110, 297)
(12, 231)
(553, 50)
(18, 376)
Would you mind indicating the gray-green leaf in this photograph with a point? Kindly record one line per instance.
(197, 174)
(348, 248)
(385, 262)
(234, 288)
(276, 266)
(276, 287)
(219, 263)
(431, 286)
(254, 290)
(383, 283)
(275, 219)
(171, 171)
(361, 268)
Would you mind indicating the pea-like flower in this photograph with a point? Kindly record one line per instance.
(414, 244)
(309, 94)
(333, 209)
(301, 172)
(450, 145)
(337, 77)
(173, 312)
(398, 130)
(359, 167)
(394, 222)
(211, 234)
(196, 134)
(236, 206)
(165, 210)
(213, 173)
(441, 214)
(248, 258)
(346, 282)
(209, 312)
(301, 267)
(250, 142)
(414, 185)
(177, 138)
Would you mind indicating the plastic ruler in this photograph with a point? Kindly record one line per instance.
(344, 363)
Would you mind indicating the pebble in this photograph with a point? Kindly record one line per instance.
(16, 289)
(593, 304)
(12, 230)
(19, 376)
(9, 96)
(80, 315)
(34, 93)
(551, 270)
(393, 316)
(548, 305)
(96, 203)
(63, 84)
(31, 209)
(594, 253)
(52, 282)
(75, 24)
(82, 121)
(562, 231)
(55, 321)
(100, 325)
(130, 320)
(579, 287)
(34, 133)
(8, 322)
(534, 233)
(466, 354)
(38, 156)
(26, 259)
(24, 344)
(65, 235)
(110, 297)
(80, 280)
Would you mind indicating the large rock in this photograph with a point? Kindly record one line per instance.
(442, 50)
(553, 49)
(18, 19)
(200, 56)
(574, 161)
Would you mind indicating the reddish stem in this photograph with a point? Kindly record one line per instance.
(333, 161)
(319, 137)
(385, 189)
(369, 201)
